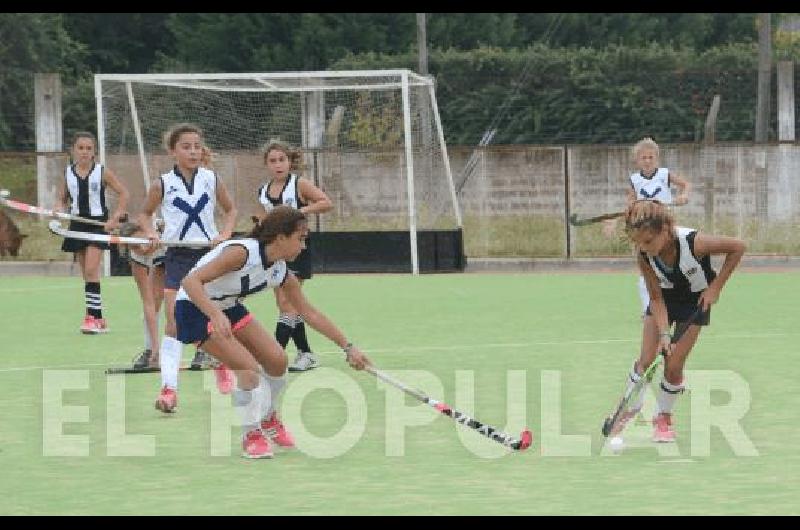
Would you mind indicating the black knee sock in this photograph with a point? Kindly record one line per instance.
(299, 335)
(94, 304)
(283, 331)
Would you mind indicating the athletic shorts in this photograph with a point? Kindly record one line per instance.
(156, 259)
(75, 245)
(301, 267)
(195, 327)
(178, 262)
(681, 311)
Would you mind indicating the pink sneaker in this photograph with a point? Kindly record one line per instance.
(88, 327)
(167, 400)
(663, 432)
(100, 325)
(255, 445)
(224, 377)
(273, 428)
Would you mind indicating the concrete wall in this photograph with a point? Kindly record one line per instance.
(522, 193)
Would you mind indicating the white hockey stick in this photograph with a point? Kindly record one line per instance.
(28, 208)
(59, 230)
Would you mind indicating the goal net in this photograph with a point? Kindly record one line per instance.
(372, 140)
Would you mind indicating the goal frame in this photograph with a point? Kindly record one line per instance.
(405, 79)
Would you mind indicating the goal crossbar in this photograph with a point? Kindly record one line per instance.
(420, 130)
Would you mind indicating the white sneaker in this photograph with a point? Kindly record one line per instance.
(305, 360)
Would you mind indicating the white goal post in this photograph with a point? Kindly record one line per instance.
(372, 139)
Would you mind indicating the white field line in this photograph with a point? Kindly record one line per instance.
(752, 336)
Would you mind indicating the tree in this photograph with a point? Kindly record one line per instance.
(119, 42)
(31, 43)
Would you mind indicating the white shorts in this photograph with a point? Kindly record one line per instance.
(155, 259)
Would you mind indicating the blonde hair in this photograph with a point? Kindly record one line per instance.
(207, 156)
(641, 145)
(294, 155)
(647, 214)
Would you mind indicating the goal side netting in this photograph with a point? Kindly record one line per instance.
(370, 139)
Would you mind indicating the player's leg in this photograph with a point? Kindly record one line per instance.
(87, 326)
(647, 355)
(285, 323)
(290, 319)
(671, 385)
(92, 256)
(170, 359)
(170, 349)
(141, 275)
(305, 360)
(272, 358)
(251, 395)
(156, 285)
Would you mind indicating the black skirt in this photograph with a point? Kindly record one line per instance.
(76, 245)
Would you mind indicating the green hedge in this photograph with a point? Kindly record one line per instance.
(586, 95)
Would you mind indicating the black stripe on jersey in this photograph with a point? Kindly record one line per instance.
(189, 185)
(103, 192)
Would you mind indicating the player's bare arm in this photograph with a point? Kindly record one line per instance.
(316, 200)
(733, 249)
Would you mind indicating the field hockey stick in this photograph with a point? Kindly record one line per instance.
(146, 369)
(59, 230)
(574, 221)
(518, 444)
(29, 208)
(634, 391)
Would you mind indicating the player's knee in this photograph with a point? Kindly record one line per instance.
(278, 364)
(247, 379)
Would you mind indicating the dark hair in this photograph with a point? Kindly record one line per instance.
(294, 155)
(175, 132)
(280, 220)
(647, 214)
(83, 134)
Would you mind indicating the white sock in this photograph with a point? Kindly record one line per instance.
(276, 384)
(644, 296)
(250, 403)
(667, 394)
(170, 360)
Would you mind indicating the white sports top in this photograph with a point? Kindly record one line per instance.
(92, 187)
(188, 210)
(289, 196)
(655, 187)
(694, 275)
(255, 275)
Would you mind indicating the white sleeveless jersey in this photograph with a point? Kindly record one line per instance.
(693, 276)
(93, 186)
(289, 194)
(256, 274)
(188, 210)
(656, 187)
